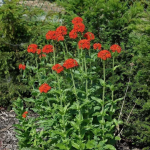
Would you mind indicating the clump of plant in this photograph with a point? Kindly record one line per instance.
(72, 107)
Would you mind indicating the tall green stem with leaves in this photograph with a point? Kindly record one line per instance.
(61, 103)
(78, 104)
(37, 71)
(112, 93)
(103, 119)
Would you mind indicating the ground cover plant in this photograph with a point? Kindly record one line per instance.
(70, 93)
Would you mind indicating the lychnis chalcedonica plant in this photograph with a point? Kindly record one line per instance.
(69, 93)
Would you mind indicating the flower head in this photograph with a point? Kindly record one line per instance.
(21, 66)
(89, 36)
(115, 47)
(24, 115)
(58, 68)
(84, 44)
(73, 34)
(70, 63)
(77, 20)
(79, 27)
(44, 88)
(104, 54)
(51, 35)
(47, 49)
(59, 37)
(62, 30)
(97, 46)
(32, 48)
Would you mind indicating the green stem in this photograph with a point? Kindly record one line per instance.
(77, 101)
(111, 109)
(63, 119)
(38, 72)
(103, 98)
(54, 53)
(66, 48)
(86, 79)
(90, 65)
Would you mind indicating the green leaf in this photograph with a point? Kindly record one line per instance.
(29, 100)
(116, 67)
(117, 138)
(102, 82)
(61, 146)
(109, 147)
(75, 145)
(119, 99)
(90, 144)
(100, 101)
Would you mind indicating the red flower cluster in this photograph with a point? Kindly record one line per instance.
(73, 34)
(24, 115)
(51, 35)
(47, 49)
(32, 48)
(44, 88)
(84, 44)
(58, 34)
(97, 46)
(79, 27)
(115, 47)
(77, 20)
(70, 63)
(89, 36)
(21, 66)
(104, 54)
(62, 30)
(58, 68)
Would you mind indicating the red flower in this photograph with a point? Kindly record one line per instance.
(21, 66)
(77, 20)
(70, 63)
(97, 46)
(32, 48)
(104, 54)
(59, 37)
(79, 27)
(47, 49)
(24, 115)
(58, 68)
(51, 35)
(115, 47)
(62, 30)
(44, 88)
(84, 44)
(89, 36)
(73, 34)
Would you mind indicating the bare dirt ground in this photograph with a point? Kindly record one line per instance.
(8, 140)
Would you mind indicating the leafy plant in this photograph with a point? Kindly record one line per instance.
(70, 100)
